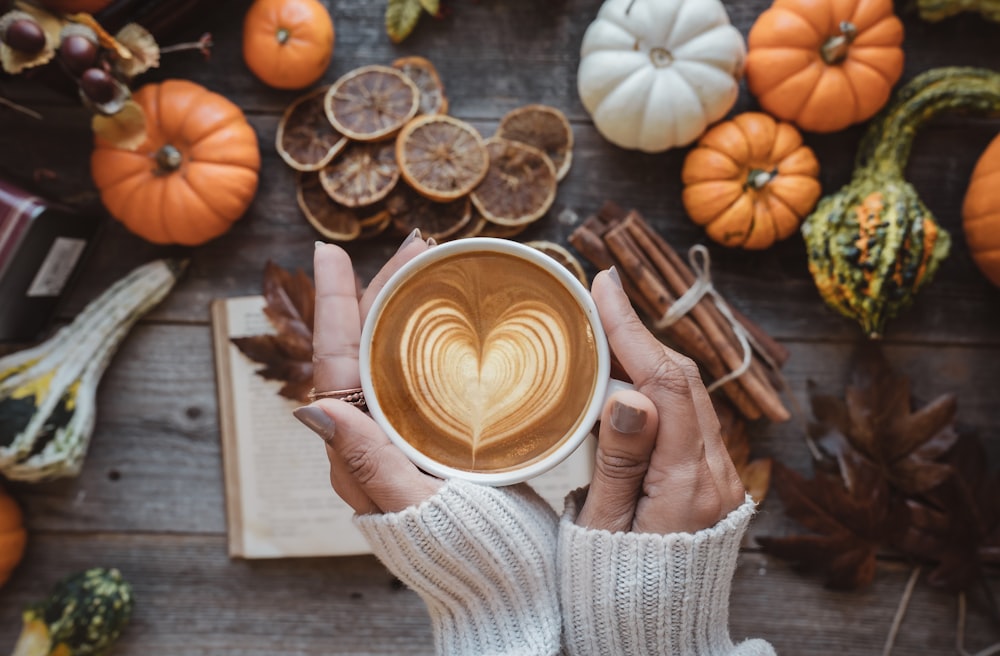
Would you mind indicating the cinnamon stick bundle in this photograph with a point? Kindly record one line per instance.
(654, 277)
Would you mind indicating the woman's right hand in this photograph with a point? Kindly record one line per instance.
(661, 464)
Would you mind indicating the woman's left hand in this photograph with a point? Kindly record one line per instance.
(366, 469)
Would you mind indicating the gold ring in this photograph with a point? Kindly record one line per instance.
(354, 396)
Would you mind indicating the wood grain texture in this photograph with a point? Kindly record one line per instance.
(149, 499)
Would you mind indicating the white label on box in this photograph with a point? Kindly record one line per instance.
(57, 267)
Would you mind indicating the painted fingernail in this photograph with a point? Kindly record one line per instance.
(319, 243)
(317, 421)
(613, 274)
(626, 419)
(431, 241)
(412, 237)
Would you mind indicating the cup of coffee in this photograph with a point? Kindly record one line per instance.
(485, 359)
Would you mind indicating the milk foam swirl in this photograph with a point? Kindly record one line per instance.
(481, 387)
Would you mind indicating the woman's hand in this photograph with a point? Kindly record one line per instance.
(661, 465)
(366, 469)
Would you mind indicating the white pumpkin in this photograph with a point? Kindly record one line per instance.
(654, 74)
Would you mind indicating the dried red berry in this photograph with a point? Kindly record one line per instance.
(25, 35)
(78, 53)
(97, 85)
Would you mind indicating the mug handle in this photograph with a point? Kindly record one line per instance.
(615, 385)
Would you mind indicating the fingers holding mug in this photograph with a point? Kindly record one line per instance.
(627, 436)
(337, 331)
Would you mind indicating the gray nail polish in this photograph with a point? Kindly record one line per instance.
(613, 274)
(431, 241)
(317, 421)
(412, 237)
(626, 419)
(319, 243)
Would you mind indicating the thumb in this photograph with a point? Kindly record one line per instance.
(624, 447)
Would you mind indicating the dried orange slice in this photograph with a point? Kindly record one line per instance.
(474, 228)
(520, 186)
(498, 231)
(436, 220)
(563, 257)
(364, 173)
(441, 157)
(425, 76)
(332, 220)
(306, 140)
(543, 127)
(376, 224)
(371, 103)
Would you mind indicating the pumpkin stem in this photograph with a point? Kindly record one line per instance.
(834, 50)
(661, 57)
(757, 179)
(283, 35)
(168, 159)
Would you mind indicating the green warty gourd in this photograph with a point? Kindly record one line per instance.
(874, 244)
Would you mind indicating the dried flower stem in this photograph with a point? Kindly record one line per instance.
(897, 621)
(203, 45)
(20, 108)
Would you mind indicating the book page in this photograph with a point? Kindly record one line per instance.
(278, 472)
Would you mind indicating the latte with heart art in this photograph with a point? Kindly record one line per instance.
(483, 361)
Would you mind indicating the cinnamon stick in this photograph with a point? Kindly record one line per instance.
(685, 332)
(717, 329)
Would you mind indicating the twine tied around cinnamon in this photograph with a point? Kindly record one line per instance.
(701, 264)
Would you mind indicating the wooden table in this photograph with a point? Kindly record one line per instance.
(150, 499)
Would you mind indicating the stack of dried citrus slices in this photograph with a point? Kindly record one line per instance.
(376, 150)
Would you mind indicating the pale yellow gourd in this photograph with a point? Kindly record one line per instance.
(654, 74)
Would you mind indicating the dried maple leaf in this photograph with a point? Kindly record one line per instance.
(877, 419)
(957, 524)
(848, 523)
(756, 473)
(290, 306)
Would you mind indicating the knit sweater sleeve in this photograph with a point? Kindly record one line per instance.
(483, 560)
(647, 594)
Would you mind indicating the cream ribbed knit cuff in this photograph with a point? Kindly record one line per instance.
(483, 560)
(641, 593)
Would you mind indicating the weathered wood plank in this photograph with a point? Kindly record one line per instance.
(154, 464)
(191, 600)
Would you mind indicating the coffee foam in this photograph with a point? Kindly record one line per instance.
(484, 362)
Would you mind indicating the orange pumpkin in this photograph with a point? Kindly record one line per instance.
(824, 64)
(195, 174)
(981, 213)
(74, 6)
(287, 43)
(750, 181)
(13, 536)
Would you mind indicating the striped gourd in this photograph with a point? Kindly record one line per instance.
(48, 392)
(874, 244)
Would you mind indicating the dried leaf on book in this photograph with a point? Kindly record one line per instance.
(286, 354)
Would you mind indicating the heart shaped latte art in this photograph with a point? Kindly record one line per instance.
(484, 388)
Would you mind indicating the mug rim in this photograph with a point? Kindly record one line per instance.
(580, 293)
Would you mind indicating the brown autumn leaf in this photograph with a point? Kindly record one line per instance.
(287, 354)
(877, 417)
(848, 523)
(756, 473)
(956, 525)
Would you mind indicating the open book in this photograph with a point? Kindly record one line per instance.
(279, 502)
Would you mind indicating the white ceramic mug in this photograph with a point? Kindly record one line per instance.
(604, 385)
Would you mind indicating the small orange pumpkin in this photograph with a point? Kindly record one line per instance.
(824, 64)
(750, 181)
(287, 44)
(195, 174)
(75, 6)
(981, 213)
(13, 536)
